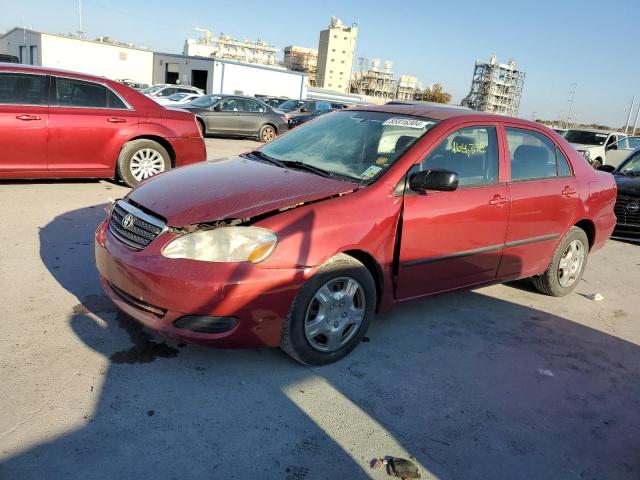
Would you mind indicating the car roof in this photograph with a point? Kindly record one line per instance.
(47, 70)
(596, 130)
(439, 111)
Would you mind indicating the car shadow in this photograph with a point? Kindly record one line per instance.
(470, 385)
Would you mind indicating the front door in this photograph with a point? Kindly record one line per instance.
(455, 239)
(544, 199)
(224, 116)
(87, 126)
(24, 114)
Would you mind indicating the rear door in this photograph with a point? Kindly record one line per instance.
(455, 239)
(88, 124)
(24, 113)
(544, 199)
(252, 117)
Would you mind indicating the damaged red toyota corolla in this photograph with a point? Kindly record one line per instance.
(298, 244)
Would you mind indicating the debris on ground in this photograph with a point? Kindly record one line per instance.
(545, 372)
(597, 297)
(397, 467)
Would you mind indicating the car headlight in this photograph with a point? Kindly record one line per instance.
(223, 244)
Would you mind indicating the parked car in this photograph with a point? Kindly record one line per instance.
(618, 151)
(5, 57)
(298, 120)
(233, 115)
(627, 177)
(591, 143)
(56, 124)
(560, 131)
(133, 84)
(181, 98)
(273, 102)
(161, 90)
(313, 106)
(291, 105)
(297, 244)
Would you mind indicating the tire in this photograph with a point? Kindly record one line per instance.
(137, 152)
(554, 281)
(597, 163)
(339, 319)
(267, 133)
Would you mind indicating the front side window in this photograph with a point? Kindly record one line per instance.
(358, 145)
(471, 152)
(631, 167)
(78, 93)
(229, 105)
(534, 156)
(22, 89)
(323, 105)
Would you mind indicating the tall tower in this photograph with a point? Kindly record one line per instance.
(336, 51)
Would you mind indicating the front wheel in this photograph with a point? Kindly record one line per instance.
(142, 159)
(567, 265)
(331, 313)
(267, 133)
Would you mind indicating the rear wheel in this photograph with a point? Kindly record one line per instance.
(201, 126)
(567, 265)
(331, 313)
(142, 159)
(267, 133)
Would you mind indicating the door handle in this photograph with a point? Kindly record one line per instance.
(27, 118)
(116, 120)
(568, 191)
(498, 201)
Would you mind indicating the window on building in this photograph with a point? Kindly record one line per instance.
(22, 89)
(341, 61)
(533, 156)
(122, 55)
(33, 54)
(22, 54)
(345, 38)
(78, 93)
(333, 50)
(470, 152)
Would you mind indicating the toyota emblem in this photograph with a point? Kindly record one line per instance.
(127, 221)
(633, 208)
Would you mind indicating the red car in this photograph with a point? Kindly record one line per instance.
(56, 124)
(298, 244)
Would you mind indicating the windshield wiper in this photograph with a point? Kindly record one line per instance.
(267, 158)
(307, 167)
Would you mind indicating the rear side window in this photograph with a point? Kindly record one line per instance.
(251, 106)
(78, 93)
(534, 156)
(472, 153)
(22, 89)
(113, 101)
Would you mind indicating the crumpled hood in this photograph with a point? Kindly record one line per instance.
(629, 186)
(228, 189)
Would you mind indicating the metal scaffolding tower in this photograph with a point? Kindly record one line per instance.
(496, 87)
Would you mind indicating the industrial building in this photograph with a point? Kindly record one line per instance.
(302, 59)
(104, 56)
(407, 87)
(216, 75)
(373, 81)
(495, 87)
(336, 50)
(228, 48)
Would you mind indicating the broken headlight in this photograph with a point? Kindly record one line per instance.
(223, 244)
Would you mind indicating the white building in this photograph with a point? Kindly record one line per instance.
(336, 50)
(215, 75)
(100, 57)
(228, 48)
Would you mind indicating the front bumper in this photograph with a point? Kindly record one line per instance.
(626, 232)
(157, 291)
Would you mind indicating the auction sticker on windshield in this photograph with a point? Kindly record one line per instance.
(370, 172)
(406, 122)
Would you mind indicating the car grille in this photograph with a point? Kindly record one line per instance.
(134, 227)
(622, 212)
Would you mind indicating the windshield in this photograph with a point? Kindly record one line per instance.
(631, 167)
(289, 105)
(359, 145)
(177, 96)
(152, 90)
(585, 137)
(205, 101)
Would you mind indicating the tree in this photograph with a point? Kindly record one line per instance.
(436, 94)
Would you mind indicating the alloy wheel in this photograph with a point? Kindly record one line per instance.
(145, 163)
(571, 263)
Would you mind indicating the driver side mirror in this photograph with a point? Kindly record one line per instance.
(303, 110)
(216, 108)
(613, 146)
(439, 180)
(607, 168)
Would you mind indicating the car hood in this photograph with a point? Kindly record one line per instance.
(233, 188)
(580, 146)
(629, 186)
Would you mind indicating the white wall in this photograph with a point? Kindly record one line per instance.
(251, 80)
(111, 61)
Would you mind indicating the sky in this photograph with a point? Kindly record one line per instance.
(557, 43)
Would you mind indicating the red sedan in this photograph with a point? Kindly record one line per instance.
(298, 244)
(56, 124)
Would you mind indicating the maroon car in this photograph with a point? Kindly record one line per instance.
(297, 244)
(56, 124)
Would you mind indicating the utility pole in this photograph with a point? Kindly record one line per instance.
(626, 125)
(572, 96)
(635, 124)
(80, 32)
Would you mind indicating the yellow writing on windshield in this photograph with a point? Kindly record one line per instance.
(467, 149)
